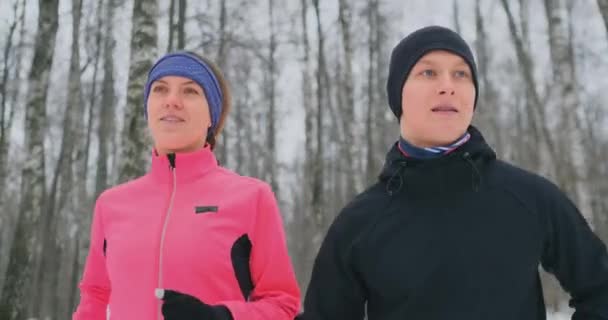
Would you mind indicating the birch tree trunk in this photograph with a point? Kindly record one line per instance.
(221, 60)
(603, 5)
(9, 96)
(136, 142)
(171, 28)
(488, 104)
(181, 26)
(44, 300)
(455, 16)
(372, 100)
(17, 288)
(348, 113)
(317, 198)
(106, 128)
(5, 120)
(567, 99)
(91, 113)
(271, 155)
(537, 112)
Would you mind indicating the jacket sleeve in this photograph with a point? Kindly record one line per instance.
(577, 257)
(95, 285)
(335, 291)
(276, 294)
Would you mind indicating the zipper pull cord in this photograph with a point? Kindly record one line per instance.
(171, 157)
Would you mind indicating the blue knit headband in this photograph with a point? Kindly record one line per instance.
(189, 66)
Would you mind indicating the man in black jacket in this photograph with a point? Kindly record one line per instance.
(449, 231)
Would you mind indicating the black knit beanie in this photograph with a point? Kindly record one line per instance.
(412, 48)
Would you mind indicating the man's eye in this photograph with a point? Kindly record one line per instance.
(461, 74)
(428, 73)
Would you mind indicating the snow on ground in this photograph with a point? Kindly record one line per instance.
(559, 315)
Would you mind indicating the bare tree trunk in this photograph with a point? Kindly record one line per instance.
(386, 127)
(531, 113)
(318, 185)
(223, 44)
(598, 170)
(171, 25)
(526, 67)
(18, 284)
(303, 219)
(92, 105)
(177, 29)
(532, 136)
(348, 114)
(595, 147)
(105, 130)
(9, 221)
(181, 26)
(524, 13)
(221, 59)
(241, 125)
(77, 204)
(5, 76)
(371, 93)
(589, 184)
(62, 185)
(603, 5)
(339, 143)
(76, 272)
(488, 104)
(554, 296)
(135, 156)
(306, 100)
(518, 156)
(455, 16)
(7, 224)
(271, 155)
(6, 123)
(565, 87)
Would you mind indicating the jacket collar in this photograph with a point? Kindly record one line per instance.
(460, 170)
(189, 166)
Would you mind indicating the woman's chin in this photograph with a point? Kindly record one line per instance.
(178, 147)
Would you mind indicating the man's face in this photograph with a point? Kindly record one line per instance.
(437, 100)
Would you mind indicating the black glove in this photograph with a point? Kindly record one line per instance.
(180, 306)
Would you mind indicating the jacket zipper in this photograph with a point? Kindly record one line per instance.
(162, 240)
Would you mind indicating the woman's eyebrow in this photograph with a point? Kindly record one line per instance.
(187, 82)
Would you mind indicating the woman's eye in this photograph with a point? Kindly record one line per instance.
(159, 89)
(190, 91)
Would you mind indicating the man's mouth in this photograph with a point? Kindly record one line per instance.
(444, 109)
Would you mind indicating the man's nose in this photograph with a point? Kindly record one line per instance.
(446, 85)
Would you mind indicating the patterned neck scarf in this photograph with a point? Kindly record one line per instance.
(412, 151)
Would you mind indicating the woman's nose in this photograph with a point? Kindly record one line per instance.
(173, 99)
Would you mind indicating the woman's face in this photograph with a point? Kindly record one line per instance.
(178, 115)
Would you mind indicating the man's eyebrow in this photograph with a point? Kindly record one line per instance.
(425, 61)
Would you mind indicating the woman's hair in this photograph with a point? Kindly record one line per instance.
(226, 99)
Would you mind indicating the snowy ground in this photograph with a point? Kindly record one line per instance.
(559, 315)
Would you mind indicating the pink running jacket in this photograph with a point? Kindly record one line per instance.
(187, 229)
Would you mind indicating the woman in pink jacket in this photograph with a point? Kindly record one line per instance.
(190, 239)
